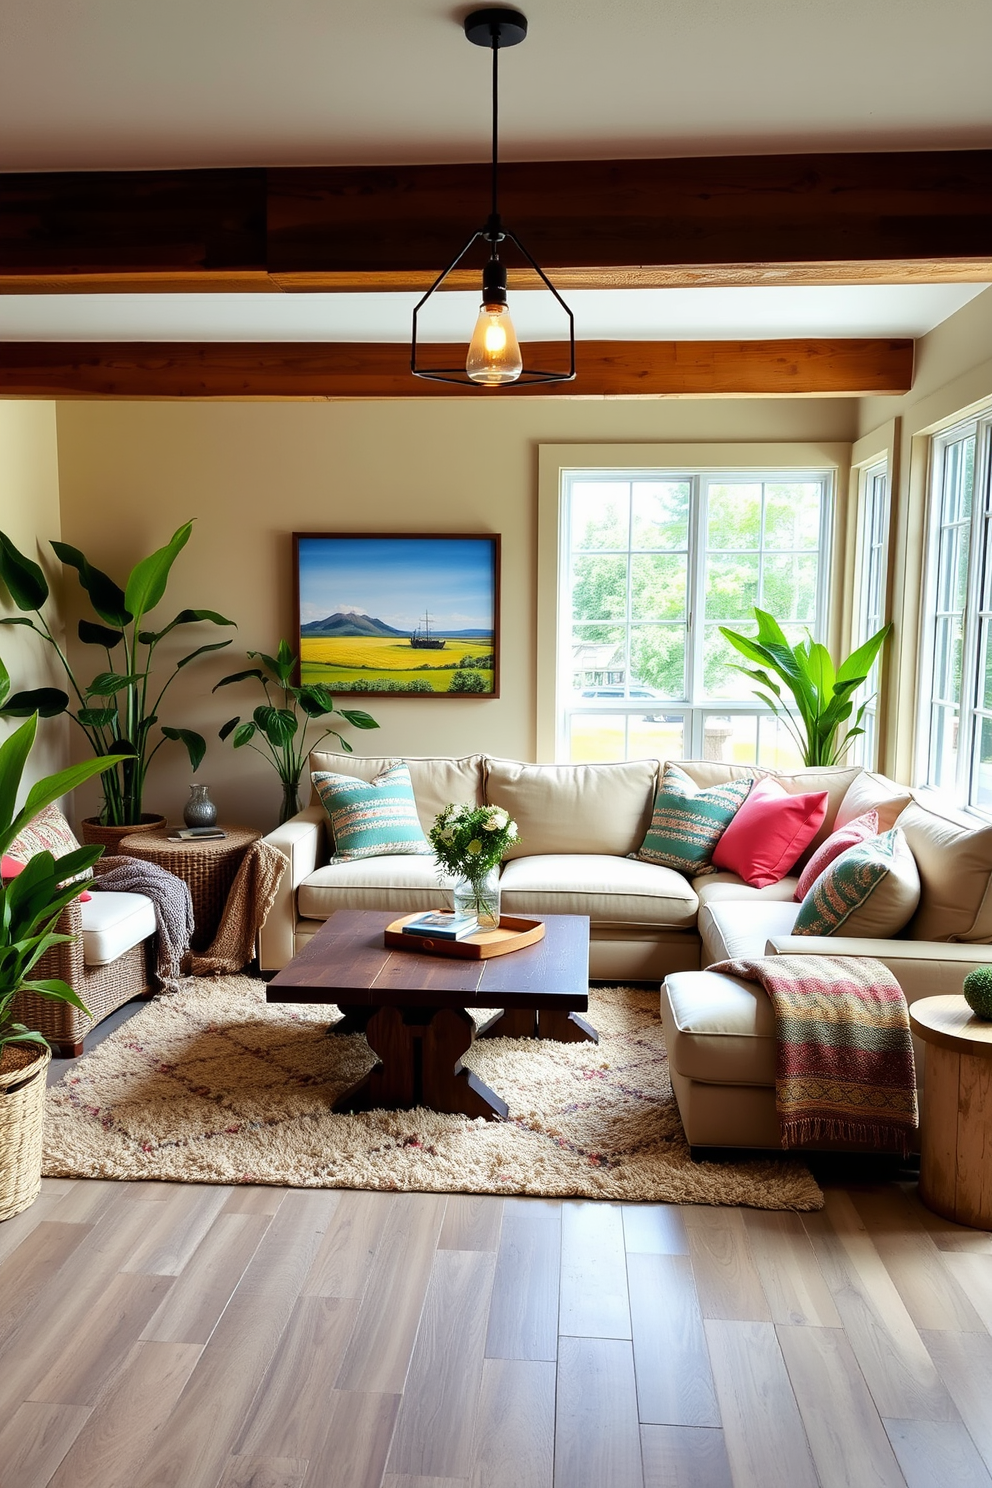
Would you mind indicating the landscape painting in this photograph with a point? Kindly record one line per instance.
(405, 614)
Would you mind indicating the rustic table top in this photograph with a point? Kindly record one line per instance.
(949, 1022)
(346, 961)
(156, 843)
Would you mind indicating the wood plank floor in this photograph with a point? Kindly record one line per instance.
(169, 1336)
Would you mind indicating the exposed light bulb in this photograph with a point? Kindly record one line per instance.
(494, 353)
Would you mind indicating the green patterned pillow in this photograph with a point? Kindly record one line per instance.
(371, 819)
(871, 890)
(688, 822)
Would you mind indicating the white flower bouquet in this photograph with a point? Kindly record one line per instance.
(470, 842)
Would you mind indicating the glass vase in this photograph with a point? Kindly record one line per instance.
(478, 898)
(290, 800)
(199, 810)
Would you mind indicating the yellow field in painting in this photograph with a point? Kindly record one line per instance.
(337, 660)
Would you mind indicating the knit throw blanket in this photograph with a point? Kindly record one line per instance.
(171, 900)
(252, 895)
(845, 1068)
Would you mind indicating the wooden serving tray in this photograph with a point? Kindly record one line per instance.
(513, 934)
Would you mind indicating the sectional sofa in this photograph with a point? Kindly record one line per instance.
(578, 826)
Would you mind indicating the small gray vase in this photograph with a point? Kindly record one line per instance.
(199, 811)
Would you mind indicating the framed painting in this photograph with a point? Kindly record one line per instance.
(409, 614)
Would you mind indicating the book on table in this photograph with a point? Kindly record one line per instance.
(441, 924)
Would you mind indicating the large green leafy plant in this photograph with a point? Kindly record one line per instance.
(282, 731)
(822, 692)
(31, 903)
(118, 709)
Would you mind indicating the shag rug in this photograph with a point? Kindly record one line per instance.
(214, 1085)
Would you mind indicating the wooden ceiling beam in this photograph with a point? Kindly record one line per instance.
(606, 369)
(809, 219)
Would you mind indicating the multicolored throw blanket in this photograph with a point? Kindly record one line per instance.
(845, 1068)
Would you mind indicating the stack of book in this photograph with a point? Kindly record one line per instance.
(441, 924)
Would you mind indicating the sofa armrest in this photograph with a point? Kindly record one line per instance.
(923, 968)
(302, 840)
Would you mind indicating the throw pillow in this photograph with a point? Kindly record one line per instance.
(871, 890)
(769, 833)
(856, 831)
(687, 822)
(47, 832)
(371, 819)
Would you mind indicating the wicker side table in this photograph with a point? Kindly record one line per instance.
(209, 867)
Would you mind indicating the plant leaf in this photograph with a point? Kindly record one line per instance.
(106, 597)
(97, 718)
(196, 745)
(200, 650)
(25, 582)
(862, 660)
(240, 677)
(92, 634)
(244, 734)
(358, 719)
(48, 701)
(148, 579)
(229, 727)
(108, 684)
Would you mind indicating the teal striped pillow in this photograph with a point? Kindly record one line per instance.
(688, 822)
(371, 819)
(871, 890)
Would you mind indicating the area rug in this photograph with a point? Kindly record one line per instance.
(214, 1085)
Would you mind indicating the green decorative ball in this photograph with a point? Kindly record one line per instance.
(978, 991)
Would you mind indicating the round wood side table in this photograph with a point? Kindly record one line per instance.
(956, 1121)
(209, 868)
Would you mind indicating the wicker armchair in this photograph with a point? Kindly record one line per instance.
(101, 988)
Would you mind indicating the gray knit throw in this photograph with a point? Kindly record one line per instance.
(171, 900)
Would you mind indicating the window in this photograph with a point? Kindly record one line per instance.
(653, 563)
(957, 690)
(869, 605)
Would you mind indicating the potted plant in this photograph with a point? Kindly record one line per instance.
(30, 905)
(285, 742)
(823, 693)
(470, 842)
(118, 709)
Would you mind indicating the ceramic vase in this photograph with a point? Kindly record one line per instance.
(199, 811)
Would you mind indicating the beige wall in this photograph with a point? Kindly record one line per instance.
(29, 515)
(953, 373)
(252, 473)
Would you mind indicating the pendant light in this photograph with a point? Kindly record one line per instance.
(494, 357)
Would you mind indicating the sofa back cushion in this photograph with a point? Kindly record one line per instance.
(574, 808)
(836, 780)
(871, 792)
(954, 856)
(436, 779)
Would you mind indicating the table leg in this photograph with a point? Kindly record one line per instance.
(565, 1028)
(513, 1023)
(420, 1053)
(354, 1019)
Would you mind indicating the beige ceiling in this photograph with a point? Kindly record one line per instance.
(89, 84)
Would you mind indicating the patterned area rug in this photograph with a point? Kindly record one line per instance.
(216, 1086)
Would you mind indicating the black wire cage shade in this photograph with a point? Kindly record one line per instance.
(495, 28)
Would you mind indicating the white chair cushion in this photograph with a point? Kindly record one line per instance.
(609, 890)
(741, 927)
(401, 882)
(113, 923)
(715, 888)
(718, 1028)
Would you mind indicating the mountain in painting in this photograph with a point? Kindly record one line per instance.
(351, 624)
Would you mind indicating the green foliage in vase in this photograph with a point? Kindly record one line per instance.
(30, 903)
(978, 991)
(118, 709)
(283, 730)
(822, 692)
(469, 841)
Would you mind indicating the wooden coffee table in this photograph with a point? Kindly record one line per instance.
(412, 1006)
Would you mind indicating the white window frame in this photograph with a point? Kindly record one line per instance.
(977, 615)
(696, 707)
(871, 594)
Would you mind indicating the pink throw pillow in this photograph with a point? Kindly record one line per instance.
(858, 830)
(11, 867)
(769, 833)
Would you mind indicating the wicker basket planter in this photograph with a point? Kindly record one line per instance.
(93, 832)
(22, 1109)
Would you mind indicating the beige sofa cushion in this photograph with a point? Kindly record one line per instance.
(719, 1029)
(836, 780)
(741, 927)
(711, 888)
(871, 792)
(574, 808)
(608, 890)
(436, 780)
(401, 883)
(954, 855)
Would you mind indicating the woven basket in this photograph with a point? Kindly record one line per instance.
(94, 833)
(22, 1109)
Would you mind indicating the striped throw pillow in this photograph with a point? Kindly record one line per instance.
(371, 819)
(688, 822)
(871, 890)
